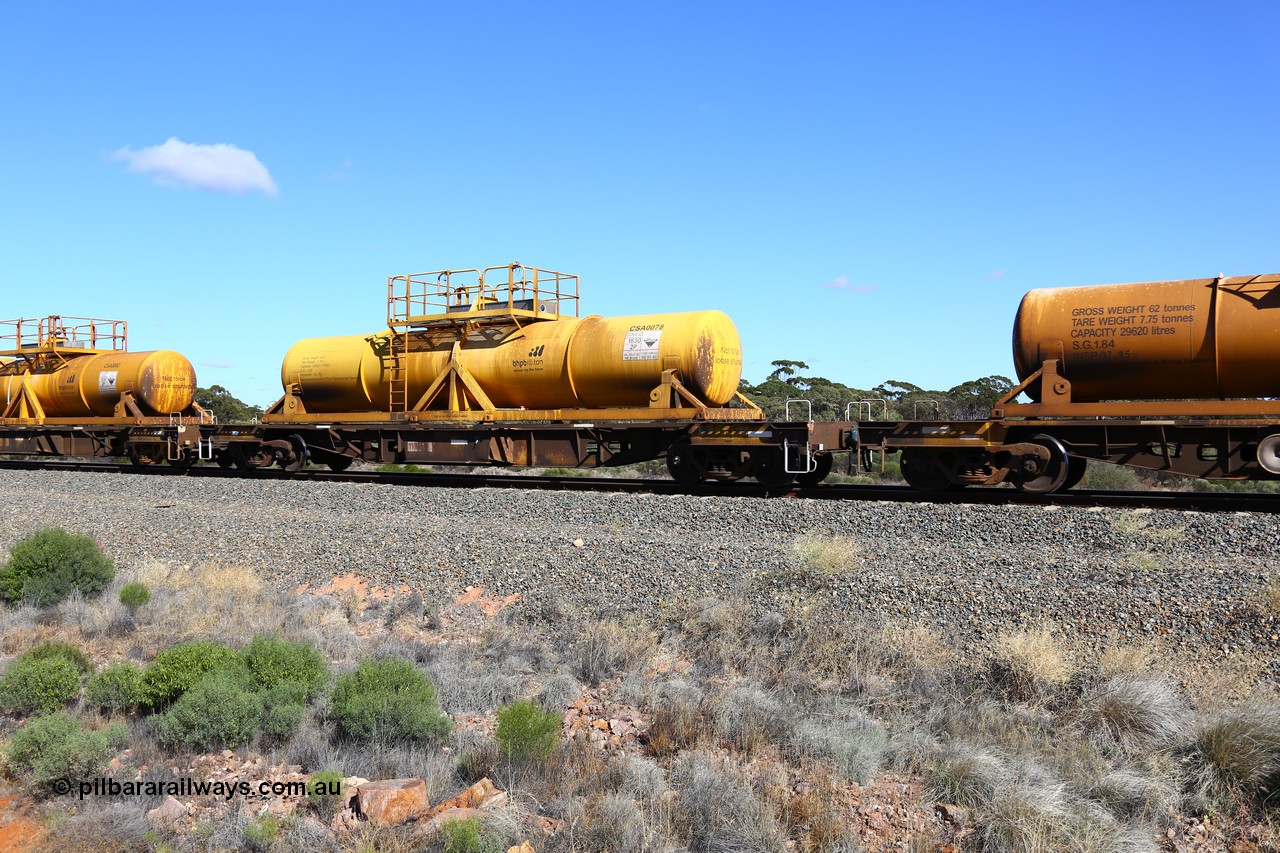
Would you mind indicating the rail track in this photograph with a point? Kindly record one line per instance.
(1198, 501)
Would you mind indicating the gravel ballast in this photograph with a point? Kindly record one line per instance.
(1194, 581)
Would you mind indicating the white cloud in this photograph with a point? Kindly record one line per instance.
(221, 167)
(996, 275)
(841, 282)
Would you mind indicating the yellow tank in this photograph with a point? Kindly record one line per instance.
(591, 362)
(162, 381)
(1196, 338)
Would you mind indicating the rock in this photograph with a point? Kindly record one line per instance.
(169, 812)
(951, 813)
(349, 786)
(522, 847)
(344, 821)
(483, 794)
(279, 806)
(548, 825)
(392, 801)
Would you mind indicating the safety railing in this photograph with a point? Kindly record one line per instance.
(502, 292)
(27, 335)
(869, 405)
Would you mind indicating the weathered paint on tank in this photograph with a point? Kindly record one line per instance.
(591, 362)
(162, 381)
(1191, 339)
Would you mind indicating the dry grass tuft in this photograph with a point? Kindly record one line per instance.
(1269, 598)
(1124, 658)
(1237, 753)
(189, 603)
(816, 559)
(1031, 664)
(718, 812)
(1135, 712)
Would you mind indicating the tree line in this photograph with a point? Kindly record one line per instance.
(891, 400)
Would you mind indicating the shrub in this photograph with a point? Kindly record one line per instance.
(1136, 712)
(718, 812)
(57, 746)
(748, 717)
(45, 568)
(38, 684)
(281, 722)
(965, 776)
(464, 836)
(857, 748)
(272, 661)
(134, 595)
(176, 669)
(525, 731)
(116, 687)
(385, 700)
(59, 649)
(325, 791)
(1238, 753)
(262, 832)
(219, 711)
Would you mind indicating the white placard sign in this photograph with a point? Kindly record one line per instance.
(107, 382)
(641, 345)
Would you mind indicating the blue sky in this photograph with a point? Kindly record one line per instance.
(866, 187)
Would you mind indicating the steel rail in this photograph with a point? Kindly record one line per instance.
(1198, 501)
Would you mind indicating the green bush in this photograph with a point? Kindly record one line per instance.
(57, 746)
(116, 687)
(385, 700)
(134, 595)
(525, 731)
(219, 711)
(281, 722)
(262, 832)
(177, 669)
(272, 662)
(464, 836)
(285, 709)
(325, 791)
(58, 649)
(47, 567)
(38, 684)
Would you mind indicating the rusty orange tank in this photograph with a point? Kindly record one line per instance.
(1207, 338)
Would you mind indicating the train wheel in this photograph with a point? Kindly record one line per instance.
(818, 474)
(245, 460)
(144, 454)
(681, 465)
(1269, 453)
(922, 472)
(1053, 475)
(339, 463)
(769, 468)
(297, 456)
(225, 458)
